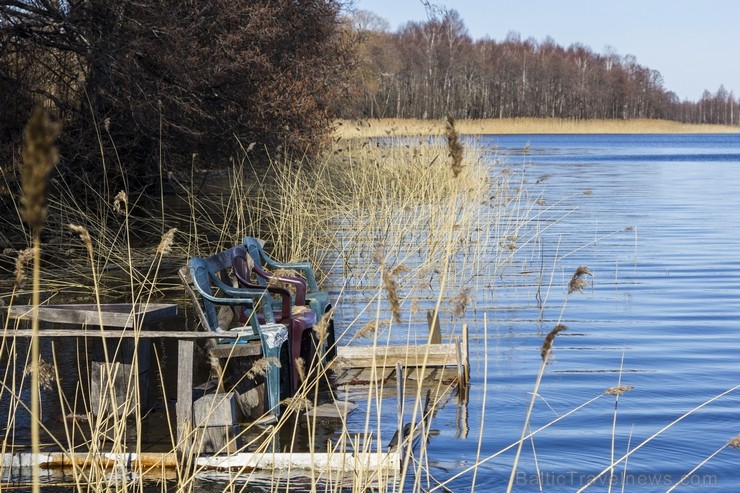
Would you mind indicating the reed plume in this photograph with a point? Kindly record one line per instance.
(322, 327)
(454, 145)
(300, 366)
(391, 289)
(24, 257)
(84, 236)
(118, 200)
(618, 390)
(735, 442)
(368, 330)
(547, 345)
(461, 302)
(165, 244)
(39, 158)
(297, 403)
(260, 367)
(577, 282)
(46, 374)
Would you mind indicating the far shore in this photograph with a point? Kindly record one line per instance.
(410, 127)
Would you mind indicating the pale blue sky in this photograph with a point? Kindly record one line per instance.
(694, 44)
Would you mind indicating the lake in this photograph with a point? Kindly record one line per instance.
(655, 219)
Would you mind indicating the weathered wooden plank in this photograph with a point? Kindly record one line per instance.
(122, 334)
(108, 314)
(388, 356)
(347, 375)
(252, 348)
(184, 406)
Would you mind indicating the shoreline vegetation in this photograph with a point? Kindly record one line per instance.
(378, 127)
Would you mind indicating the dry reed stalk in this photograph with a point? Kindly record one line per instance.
(545, 352)
(503, 450)
(39, 158)
(593, 479)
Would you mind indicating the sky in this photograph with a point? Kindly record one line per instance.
(694, 44)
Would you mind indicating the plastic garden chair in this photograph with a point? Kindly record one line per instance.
(318, 300)
(299, 319)
(206, 279)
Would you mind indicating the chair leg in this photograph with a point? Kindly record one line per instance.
(272, 377)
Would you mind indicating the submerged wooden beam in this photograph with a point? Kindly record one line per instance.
(318, 462)
(303, 461)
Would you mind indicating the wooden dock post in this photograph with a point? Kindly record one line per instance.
(184, 407)
(109, 380)
(435, 332)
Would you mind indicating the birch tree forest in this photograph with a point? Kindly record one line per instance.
(427, 69)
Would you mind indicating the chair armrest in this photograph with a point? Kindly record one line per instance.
(304, 267)
(238, 296)
(298, 283)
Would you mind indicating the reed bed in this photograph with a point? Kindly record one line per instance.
(412, 127)
(399, 228)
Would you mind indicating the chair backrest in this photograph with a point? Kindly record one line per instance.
(243, 264)
(263, 260)
(199, 271)
(254, 248)
(209, 276)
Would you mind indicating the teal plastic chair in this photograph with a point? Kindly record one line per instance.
(206, 277)
(318, 300)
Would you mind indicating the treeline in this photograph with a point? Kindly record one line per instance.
(427, 69)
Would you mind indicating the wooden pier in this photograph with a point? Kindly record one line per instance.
(440, 365)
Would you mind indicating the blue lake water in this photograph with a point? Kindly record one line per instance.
(655, 219)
